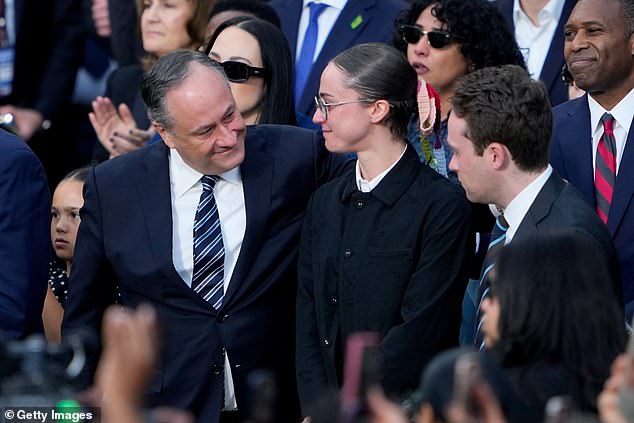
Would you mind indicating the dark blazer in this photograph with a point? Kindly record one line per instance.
(377, 24)
(125, 240)
(392, 261)
(551, 72)
(25, 243)
(571, 156)
(47, 53)
(560, 205)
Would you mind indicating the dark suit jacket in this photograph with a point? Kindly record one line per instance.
(25, 212)
(393, 261)
(377, 24)
(47, 53)
(125, 240)
(560, 205)
(551, 72)
(571, 156)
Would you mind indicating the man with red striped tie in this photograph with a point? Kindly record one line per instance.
(591, 134)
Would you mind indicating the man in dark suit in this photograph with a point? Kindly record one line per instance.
(139, 215)
(540, 24)
(499, 131)
(342, 24)
(25, 212)
(599, 52)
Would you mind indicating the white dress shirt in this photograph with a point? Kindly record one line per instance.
(623, 113)
(534, 40)
(325, 21)
(518, 207)
(186, 188)
(364, 185)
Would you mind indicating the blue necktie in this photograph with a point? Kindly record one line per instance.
(305, 60)
(498, 238)
(209, 251)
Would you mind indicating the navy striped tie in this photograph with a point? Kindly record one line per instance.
(498, 238)
(209, 250)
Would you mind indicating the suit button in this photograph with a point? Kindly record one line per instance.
(360, 204)
(334, 300)
(347, 253)
(216, 369)
(222, 318)
(326, 343)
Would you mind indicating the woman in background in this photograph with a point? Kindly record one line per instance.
(257, 61)
(67, 201)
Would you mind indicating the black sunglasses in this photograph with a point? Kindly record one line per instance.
(412, 34)
(241, 72)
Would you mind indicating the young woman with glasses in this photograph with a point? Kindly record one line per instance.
(257, 61)
(444, 40)
(383, 247)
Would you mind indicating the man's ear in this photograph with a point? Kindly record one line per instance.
(164, 133)
(499, 155)
(379, 110)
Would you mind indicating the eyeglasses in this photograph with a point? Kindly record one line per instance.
(412, 34)
(323, 106)
(241, 72)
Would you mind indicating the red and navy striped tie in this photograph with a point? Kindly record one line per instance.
(605, 169)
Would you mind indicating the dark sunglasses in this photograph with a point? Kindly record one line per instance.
(241, 72)
(412, 34)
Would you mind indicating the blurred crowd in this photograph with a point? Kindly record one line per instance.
(323, 210)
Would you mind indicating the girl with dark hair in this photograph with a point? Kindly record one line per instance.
(257, 61)
(384, 248)
(67, 200)
(553, 319)
(444, 40)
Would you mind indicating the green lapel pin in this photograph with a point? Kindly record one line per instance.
(356, 22)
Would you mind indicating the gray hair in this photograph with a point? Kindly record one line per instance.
(169, 72)
(627, 8)
(380, 72)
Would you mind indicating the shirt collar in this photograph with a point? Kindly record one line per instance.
(337, 4)
(552, 10)
(623, 113)
(185, 178)
(364, 185)
(518, 207)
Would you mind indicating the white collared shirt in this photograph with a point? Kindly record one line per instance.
(326, 21)
(534, 41)
(364, 185)
(9, 16)
(623, 113)
(186, 188)
(518, 207)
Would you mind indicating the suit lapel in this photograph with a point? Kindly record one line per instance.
(551, 71)
(541, 207)
(577, 143)
(154, 191)
(624, 186)
(257, 178)
(293, 9)
(341, 34)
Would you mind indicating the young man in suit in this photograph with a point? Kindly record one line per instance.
(499, 131)
(25, 213)
(592, 145)
(538, 28)
(340, 24)
(204, 227)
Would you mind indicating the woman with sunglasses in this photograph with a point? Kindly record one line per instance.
(384, 248)
(444, 40)
(119, 118)
(257, 61)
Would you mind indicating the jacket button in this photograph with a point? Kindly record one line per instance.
(326, 343)
(216, 369)
(333, 300)
(347, 253)
(222, 318)
(360, 204)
